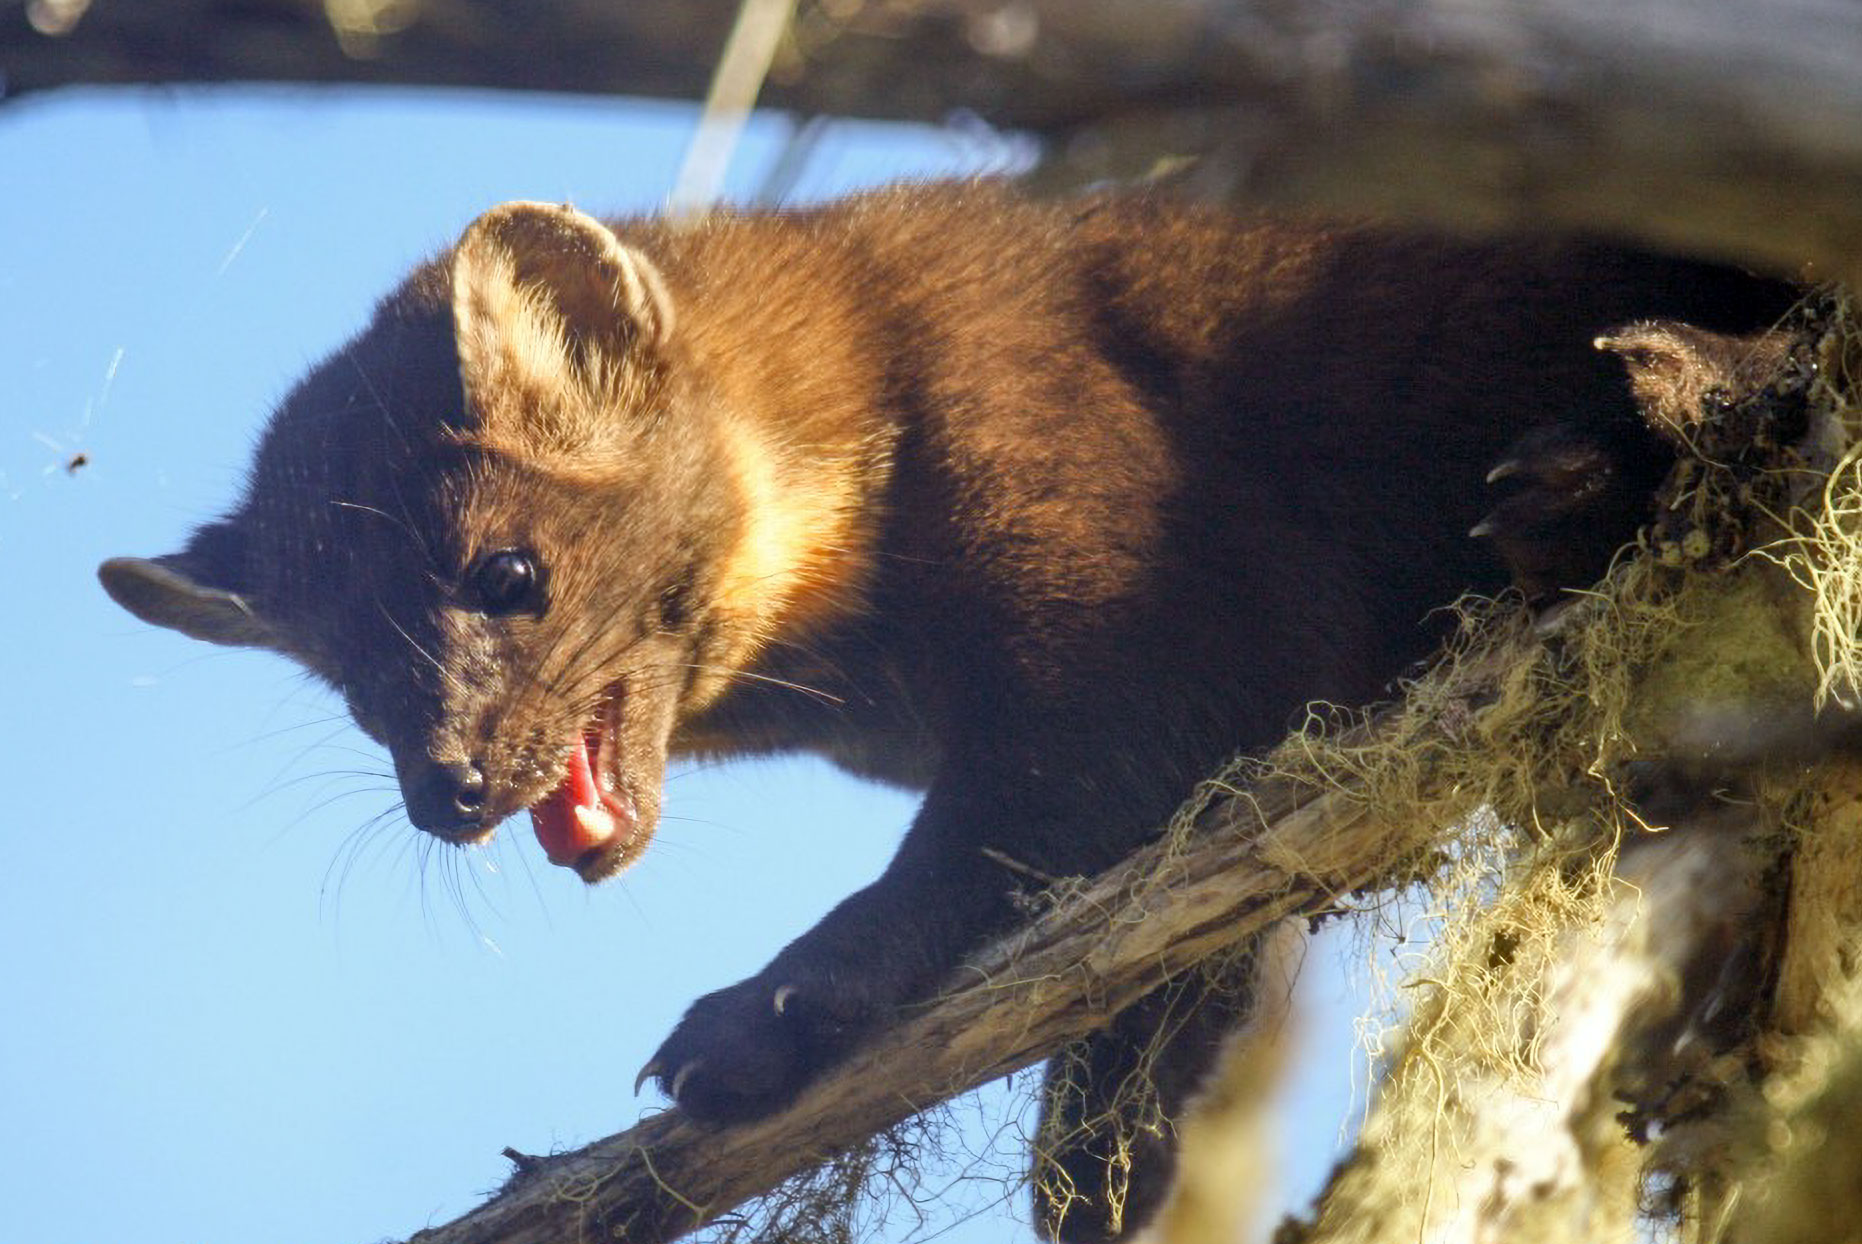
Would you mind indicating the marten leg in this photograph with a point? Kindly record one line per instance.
(1567, 498)
(1106, 1151)
(749, 1049)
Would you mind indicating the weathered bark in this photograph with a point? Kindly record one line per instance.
(1729, 129)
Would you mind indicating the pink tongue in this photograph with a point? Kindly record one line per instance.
(565, 836)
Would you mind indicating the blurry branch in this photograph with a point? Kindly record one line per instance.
(741, 72)
(1532, 1149)
(909, 60)
(1724, 129)
(1251, 858)
(1720, 127)
(1797, 1169)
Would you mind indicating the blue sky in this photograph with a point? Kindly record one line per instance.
(234, 1011)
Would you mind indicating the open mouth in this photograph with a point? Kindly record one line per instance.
(585, 823)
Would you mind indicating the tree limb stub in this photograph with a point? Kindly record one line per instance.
(1252, 859)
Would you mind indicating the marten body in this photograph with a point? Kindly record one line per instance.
(1043, 509)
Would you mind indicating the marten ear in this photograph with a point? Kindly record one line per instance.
(183, 592)
(1671, 367)
(541, 287)
(1649, 344)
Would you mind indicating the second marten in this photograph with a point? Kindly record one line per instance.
(1045, 509)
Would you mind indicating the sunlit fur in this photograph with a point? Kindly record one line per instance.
(1043, 508)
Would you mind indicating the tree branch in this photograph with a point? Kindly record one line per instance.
(1728, 129)
(1252, 858)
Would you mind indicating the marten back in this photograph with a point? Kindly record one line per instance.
(1152, 459)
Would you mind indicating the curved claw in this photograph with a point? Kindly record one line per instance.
(648, 1072)
(1486, 527)
(680, 1077)
(783, 994)
(1512, 466)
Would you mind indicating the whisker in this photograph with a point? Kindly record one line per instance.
(330, 801)
(692, 766)
(579, 657)
(826, 697)
(279, 782)
(338, 720)
(349, 853)
(330, 775)
(346, 749)
(406, 528)
(445, 674)
(464, 861)
(368, 382)
(536, 888)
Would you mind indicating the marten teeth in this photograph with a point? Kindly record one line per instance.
(597, 823)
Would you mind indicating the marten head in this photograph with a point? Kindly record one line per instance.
(508, 527)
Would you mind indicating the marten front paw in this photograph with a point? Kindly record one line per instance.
(1568, 498)
(747, 1051)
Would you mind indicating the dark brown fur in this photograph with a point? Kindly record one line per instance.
(1045, 509)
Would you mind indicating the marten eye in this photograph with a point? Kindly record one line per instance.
(507, 581)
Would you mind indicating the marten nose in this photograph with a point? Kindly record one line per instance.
(468, 783)
(447, 799)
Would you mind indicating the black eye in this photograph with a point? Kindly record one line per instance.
(507, 581)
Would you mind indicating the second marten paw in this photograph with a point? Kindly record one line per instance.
(747, 1051)
(1566, 499)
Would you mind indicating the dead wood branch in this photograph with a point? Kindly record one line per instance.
(1253, 858)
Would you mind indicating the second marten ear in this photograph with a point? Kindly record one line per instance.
(186, 592)
(537, 286)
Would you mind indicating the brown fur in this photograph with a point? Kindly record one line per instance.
(1044, 508)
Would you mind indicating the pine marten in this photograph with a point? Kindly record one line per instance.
(1045, 509)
